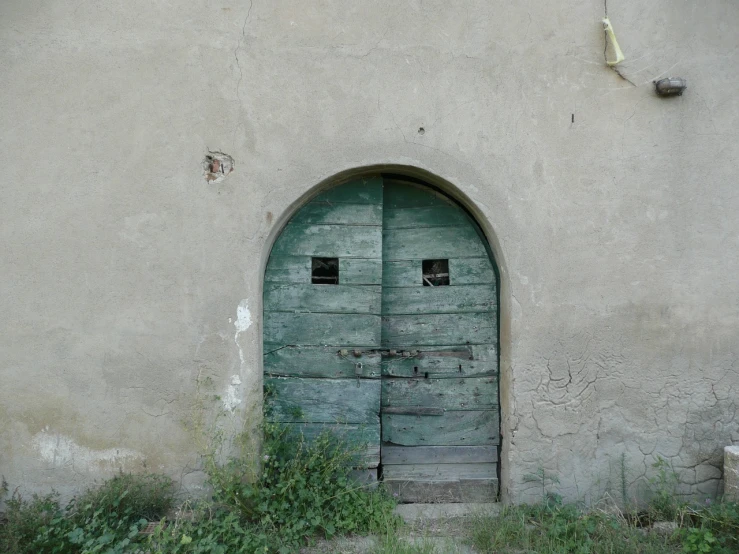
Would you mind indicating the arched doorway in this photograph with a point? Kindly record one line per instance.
(381, 323)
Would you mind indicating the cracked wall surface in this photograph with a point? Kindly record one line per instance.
(131, 318)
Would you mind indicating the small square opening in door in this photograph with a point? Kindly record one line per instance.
(435, 273)
(325, 271)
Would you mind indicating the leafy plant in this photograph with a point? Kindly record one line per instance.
(25, 519)
(699, 540)
(104, 519)
(545, 479)
(664, 505)
(305, 488)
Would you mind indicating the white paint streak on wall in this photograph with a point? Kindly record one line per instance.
(242, 323)
(61, 451)
(232, 398)
(234, 393)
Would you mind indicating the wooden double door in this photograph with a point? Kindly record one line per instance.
(380, 323)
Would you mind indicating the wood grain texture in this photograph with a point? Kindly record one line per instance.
(413, 410)
(324, 213)
(439, 454)
(402, 194)
(297, 269)
(470, 428)
(441, 362)
(282, 328)
(462, 271)
(310, 298)
(330, 241)
(298, 400)
(360, 272)
(320, 361)
(288, 269)
(438, 329)
(470, 490)
(438, 300)
(471, 393)
(368, 190)
(427, 216)
(431, 243)
(440, 472)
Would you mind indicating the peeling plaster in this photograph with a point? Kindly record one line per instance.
(242, 323)
(60, 451)
(232, 398)
(234, 393)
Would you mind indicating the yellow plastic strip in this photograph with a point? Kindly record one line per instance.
(612, 37)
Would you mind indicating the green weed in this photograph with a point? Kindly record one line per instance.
(391, 543)
(664, 505)
(561, 530)
(304, 490)
(106, 519)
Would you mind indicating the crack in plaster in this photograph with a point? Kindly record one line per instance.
(238, 47)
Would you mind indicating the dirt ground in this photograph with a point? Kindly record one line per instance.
(442, 536)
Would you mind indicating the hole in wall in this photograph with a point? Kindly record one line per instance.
(435, 273)
(217, 166)
(324, 271)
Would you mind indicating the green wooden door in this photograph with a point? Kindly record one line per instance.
(398, 348)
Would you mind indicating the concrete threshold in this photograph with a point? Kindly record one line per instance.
(415, 512)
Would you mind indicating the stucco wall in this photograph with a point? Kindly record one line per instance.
(127, 279)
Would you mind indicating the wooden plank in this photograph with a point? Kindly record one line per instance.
(438, 454)
(471, 490)
(405, 273)
(431, 243)
(297, 269)
(293, 399)
(360, 272)
(426, 216)
(462, 271)
(288, 269)
(367, 190)
(283, 328)
(470, 428)
(444, 299)
(439, 472)
(435, 361)
(319, 361)
(470, 393)
(331, 241)
(322, 213)
(413, 410)
(471, 271)
(364, 439)
(438, 329)
(401, 194)
(336, 299)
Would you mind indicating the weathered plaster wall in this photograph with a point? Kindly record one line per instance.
(128, 279)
